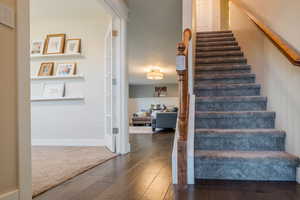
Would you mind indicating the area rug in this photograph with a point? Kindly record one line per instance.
(52, 166)
(140, 130)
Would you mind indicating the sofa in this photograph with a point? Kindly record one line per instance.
(164, 120)
(138, 121)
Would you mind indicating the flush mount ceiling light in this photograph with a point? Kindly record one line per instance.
(155, 74)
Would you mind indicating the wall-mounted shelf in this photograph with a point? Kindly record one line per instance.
(75, 55)
(40, 99)
(79, 76)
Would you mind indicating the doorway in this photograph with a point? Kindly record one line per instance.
(212, 15)
(121, 143)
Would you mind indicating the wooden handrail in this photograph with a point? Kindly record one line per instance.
(290, 52)
(183, 79)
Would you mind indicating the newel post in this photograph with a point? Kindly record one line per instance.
(183, 89)
(183, 114)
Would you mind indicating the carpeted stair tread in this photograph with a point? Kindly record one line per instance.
(231, 103)
(248, 89)
(220, 43)
(217, 48)
(218, 53)
(214, 32)
(273, 132)
(223, 66)
(235, 119)
(222, 76)
(246, 155)
(223, 69)
(245, 165)
(216, 39)
(231, 99)
(214, 35)
(239, 139)
(215, 60)
(234, 114)
(225, 78)
(228, 86)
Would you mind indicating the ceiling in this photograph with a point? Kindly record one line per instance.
(137, 75)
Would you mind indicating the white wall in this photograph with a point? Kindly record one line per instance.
(279, 78)
(77, 122)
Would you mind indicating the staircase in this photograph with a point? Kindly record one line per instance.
(235, 137)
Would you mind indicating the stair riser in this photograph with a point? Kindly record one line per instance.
(211, 55)
(227, 92)
(215, 44)
(231, 106)
(218, 48)
(213, 32)
(256, 170)
(235, 122)
(215, 35)
(226, 80)
(242, 71)
(239, 142)
(217, 39)
(220, 60)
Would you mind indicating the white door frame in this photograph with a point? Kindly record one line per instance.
(23, 93)
(119, 11)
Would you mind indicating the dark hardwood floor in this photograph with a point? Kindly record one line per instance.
(145, 174)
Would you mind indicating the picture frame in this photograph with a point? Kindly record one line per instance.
(55, 44)
(65, 69)
(73, 46)
(37, 47)
(53, 90)
(46, 69)
(161, 91)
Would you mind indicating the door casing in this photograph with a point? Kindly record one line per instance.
(119, 9)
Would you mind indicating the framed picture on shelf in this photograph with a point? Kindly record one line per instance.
(46, 69)
(53, 90)
(65, 69)
(73, 46)
(161, 91)
(37, 47)
(55, 44)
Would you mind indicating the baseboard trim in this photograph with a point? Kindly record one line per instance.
(69, 142)
(13, 195)
(298, 175)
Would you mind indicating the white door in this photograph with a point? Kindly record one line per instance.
(109, 91)
(115, 133)
(208, 15)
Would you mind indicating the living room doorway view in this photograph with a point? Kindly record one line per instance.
(153, 109)
(74, 57)
(153, 86)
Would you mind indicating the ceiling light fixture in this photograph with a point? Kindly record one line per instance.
(155, 74)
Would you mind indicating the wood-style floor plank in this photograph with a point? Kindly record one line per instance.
(145, 174)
